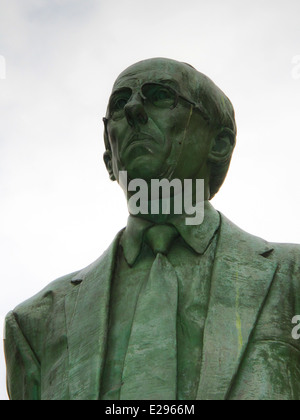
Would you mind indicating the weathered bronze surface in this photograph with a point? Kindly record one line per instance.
(169, 311)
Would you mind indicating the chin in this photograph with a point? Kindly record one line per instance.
(144, 167)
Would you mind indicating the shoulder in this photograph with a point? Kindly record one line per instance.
(31, 315)
(287, 251)
(53, 291)
(35, 311)
(283, 252)
(288, 256)
(29, 321)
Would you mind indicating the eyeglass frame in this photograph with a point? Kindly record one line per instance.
(199, 106)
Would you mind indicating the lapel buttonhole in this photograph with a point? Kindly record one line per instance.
(267, 253)
(76, 282)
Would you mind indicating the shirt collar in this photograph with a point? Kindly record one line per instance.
(198, 237)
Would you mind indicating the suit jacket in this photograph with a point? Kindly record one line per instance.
(55, 342)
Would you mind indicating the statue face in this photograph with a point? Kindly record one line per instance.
(154, 126)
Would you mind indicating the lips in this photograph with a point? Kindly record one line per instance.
(137, 139)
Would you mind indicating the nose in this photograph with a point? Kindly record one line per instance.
(135, 112)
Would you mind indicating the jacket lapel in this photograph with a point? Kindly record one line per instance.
(242, 276)
(87, 317)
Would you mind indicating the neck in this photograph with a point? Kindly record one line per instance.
(189, 203)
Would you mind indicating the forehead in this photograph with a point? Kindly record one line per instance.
(177, 75)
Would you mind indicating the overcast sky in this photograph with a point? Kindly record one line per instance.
(58, 209)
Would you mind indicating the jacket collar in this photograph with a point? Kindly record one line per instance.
(242, 276)
(197, 237)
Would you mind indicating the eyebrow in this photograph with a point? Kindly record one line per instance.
(169, 82)
(172, 83)
(121, 89)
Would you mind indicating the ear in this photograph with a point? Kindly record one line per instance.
(107, 157)
(108, 163)
(222, 146)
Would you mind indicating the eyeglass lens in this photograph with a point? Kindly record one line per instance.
(155, 94)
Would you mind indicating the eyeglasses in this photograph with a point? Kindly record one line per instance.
(153, 94)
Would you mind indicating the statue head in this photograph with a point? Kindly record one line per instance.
(167, 120)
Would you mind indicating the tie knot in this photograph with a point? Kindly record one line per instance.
(160, 238)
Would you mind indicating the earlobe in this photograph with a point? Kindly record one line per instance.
(222, 147)
(108, 163)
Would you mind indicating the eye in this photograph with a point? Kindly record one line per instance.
(118, 102)
(159, 96)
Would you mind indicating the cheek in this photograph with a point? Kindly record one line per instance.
(116, 132)
(173, 127)
(196, 145)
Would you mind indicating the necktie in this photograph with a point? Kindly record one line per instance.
(150, 367)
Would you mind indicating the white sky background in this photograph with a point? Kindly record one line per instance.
(58, 209)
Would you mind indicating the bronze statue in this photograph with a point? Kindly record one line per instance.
(172, 310)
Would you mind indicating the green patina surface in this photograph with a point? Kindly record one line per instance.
(237, 293)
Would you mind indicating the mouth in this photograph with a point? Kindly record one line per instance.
(137, 140)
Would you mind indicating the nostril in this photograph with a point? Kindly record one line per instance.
(128, 116)
(143, 118)
(136, 114)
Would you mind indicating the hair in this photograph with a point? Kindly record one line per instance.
(221, 116)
